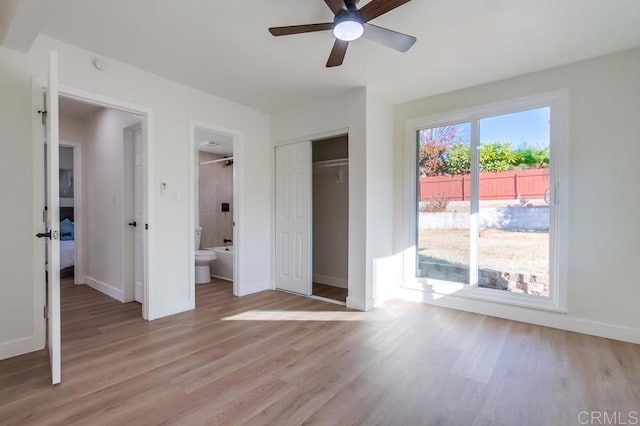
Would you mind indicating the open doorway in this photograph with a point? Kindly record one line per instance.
(102, 199)
(330, 233)
(215, 210)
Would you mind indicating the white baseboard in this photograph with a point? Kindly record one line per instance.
(359, 304)
(244, 289)
(20, 346)
(532, 316)
(329, 280)
(105, 288)
(172, 310)
(221, 278)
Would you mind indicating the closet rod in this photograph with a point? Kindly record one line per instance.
(331, 163)
(217, 161)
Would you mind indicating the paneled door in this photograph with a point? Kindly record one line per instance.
(293, 218)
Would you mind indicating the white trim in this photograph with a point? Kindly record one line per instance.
(20, 346)
(161, 313)
(531, 316)
(332, 281)
(556, 301)
(251, 288)
(314, 137)
(326, 299)
(240, 288)
(147, 128)
(78, 211)
(105, 288)
(359, 304)
(38, 285)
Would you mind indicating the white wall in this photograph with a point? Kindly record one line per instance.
(383, 267)
(173, 105)
(71, 129)
(104, 218)
(21, 254)
(334, 115)
(373, 266)
(604, 235)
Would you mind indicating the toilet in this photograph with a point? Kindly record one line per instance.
(203, 259)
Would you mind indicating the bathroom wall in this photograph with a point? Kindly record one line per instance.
(331, 214)
(215, 187)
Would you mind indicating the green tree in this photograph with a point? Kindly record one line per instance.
(458, 160)
(497, 157)
(533, 158)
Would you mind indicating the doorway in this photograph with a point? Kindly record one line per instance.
(215, 158)
(111, 196)
(330, 230)
(312, 218)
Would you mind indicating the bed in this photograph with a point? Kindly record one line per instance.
(67, 242)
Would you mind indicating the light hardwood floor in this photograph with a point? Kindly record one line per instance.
(276, 358)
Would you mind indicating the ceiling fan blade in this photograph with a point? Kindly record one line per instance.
(337, 53)
(393, 39)
(335, 5)
(299, 29)
(376, 8)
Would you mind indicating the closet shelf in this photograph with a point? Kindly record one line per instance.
(331, 163)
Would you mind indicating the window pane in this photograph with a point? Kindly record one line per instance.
(513, 243)
(444, 190)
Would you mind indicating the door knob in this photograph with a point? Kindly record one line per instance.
(134, 224)
(44, 234)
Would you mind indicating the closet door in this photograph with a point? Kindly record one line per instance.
(293, 218)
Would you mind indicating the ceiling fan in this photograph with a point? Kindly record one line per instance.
(351, 23)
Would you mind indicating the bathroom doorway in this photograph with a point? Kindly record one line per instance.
(330, 234)
(215, 207)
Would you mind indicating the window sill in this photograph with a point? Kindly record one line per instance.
(439, 289)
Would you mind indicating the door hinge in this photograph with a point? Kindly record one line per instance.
(44, 116)
(146, 226)
(44, 311)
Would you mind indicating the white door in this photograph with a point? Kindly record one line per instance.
(53, 222)
(138, 213)
(293, 218)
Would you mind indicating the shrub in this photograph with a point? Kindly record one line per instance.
(432, 159)
(458, 159)
(436, 204)
(497, 157)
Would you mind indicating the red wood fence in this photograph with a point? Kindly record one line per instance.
(511, 185)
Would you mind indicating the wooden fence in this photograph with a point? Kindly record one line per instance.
(511, 185)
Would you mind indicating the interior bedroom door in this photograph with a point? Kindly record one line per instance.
(138, 213)
(53, 222)
(293, 217)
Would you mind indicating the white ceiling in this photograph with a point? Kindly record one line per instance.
(223, 47)
(76, 109)
(216, 143)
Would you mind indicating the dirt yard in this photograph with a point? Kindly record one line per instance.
(515, 252)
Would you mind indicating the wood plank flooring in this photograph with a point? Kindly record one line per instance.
(329, 291)
(277, 358)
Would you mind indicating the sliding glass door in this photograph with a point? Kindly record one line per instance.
(485, 200)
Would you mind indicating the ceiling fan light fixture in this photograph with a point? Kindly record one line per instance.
(348, 26)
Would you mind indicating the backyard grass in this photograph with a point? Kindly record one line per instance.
(514, 252)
